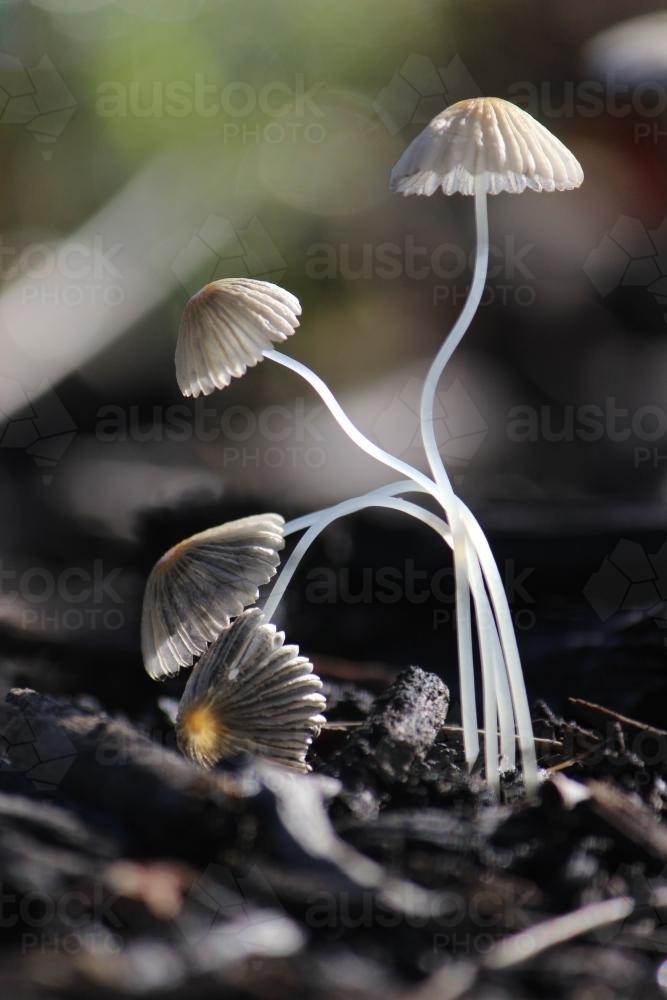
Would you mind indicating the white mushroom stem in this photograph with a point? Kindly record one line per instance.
(346, 425)
(485, 617)
(481, 606)
(317, 522)
(462, 523)
(495, 686)
(427, 420)
(480, 544)
(524, 725)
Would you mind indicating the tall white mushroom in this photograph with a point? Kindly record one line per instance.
(479, 147)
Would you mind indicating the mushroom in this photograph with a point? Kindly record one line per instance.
(251, 693)
(488, 145)
(207, 321)
(199, 585)
(226, 327)
(481, 146)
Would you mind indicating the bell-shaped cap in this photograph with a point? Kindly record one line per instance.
(225, 329)
(250, 693)
(199, 585)
(485, 143)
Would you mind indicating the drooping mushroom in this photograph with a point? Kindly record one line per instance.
(199, 585)
(251, 693)
(479, 147)
(226, 327)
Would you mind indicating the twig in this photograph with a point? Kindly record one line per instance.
(482, 732)
(618, 717)
(334, 726)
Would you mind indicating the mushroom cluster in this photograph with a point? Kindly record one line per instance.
(248, 691)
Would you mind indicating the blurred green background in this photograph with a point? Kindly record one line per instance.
(275, 126)
(147, 147)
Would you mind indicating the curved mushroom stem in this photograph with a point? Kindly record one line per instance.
(481, 603)
(346, 425)
(321, 519)
(468, 525)
(495, 683)
(487, 563)
(490, 648)
(427, 421)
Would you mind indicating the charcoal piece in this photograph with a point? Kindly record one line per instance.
(399, 730)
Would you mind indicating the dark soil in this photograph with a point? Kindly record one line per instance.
(389, 871)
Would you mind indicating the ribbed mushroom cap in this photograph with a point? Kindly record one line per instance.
(199, 585)
(249, 692)
(489, 139)
(225, 329)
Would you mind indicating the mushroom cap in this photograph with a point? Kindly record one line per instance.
(485, 141)
(226, 327)
(199, 585)
(249, 692)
